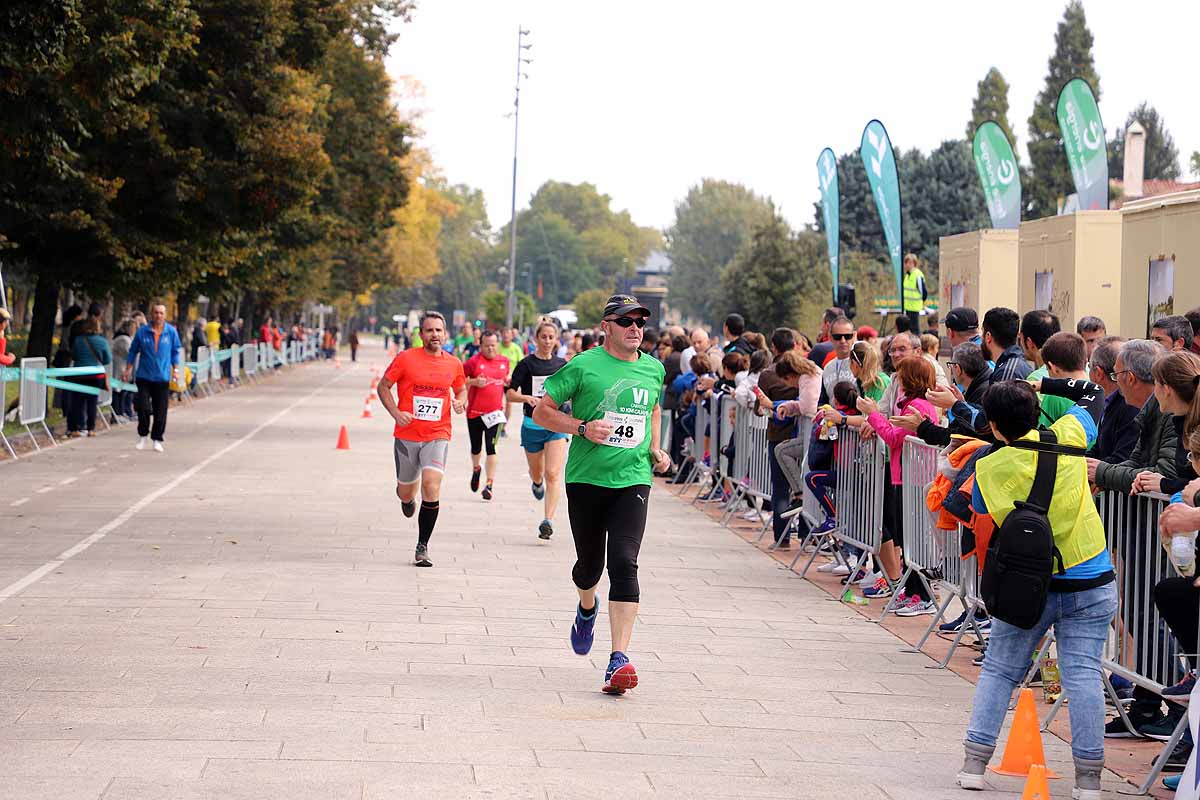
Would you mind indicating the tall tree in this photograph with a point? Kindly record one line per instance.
(1162, 156)
(712, 224)
(1051, 177)
(941, 197)
(464, 250)
(991, 104)
(1194, 164)
(768, 280)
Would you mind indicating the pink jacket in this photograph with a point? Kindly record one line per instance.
(893, 436)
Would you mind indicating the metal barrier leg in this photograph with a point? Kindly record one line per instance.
(1160, 761)
(937, 619)
(732, 506)
(7, 445)
(898, 585)
(972, 609)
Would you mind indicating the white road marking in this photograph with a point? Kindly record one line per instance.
(129, 513)
(88, 471)
(45, 489)
(67, 482)
(20, 502)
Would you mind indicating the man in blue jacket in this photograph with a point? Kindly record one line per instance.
(155, 350)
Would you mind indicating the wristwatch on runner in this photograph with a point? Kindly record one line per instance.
(582, 431)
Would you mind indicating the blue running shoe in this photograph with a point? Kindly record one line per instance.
(582, 632)
(1172, 782)
(826, 526)
(538, 489)
(620, 675)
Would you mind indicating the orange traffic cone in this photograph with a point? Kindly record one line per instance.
(343, 439)
(374, 384)
(1024, 747)
(1036, 786)
(366, 408)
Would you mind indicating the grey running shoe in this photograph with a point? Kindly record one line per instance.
(421, 557)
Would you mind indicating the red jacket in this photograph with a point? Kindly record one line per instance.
(6, 359)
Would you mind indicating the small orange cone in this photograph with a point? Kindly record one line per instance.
(366, 408)
(1024, 747)
(1036, 785)
(343, 439)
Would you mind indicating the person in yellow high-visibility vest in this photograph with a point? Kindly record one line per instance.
(914, 292)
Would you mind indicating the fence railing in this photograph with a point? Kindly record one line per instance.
(1140, 648)
(35, 378)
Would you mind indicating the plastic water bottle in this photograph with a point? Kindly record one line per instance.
(854, 600)
(1183, 552)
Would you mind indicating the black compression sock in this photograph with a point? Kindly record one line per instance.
(427, 519)
(587, 613)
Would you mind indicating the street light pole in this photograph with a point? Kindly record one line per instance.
(510, 305)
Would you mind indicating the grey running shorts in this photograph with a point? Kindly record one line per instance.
(413, 457)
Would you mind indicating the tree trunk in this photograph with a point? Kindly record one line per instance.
(41, 326)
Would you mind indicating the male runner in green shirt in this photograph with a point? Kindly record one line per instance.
(614, 394)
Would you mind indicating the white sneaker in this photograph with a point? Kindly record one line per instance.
(840, 569)
(753, 516)
(142, 442)
(870, 580)
(158, 447)
(829, 567)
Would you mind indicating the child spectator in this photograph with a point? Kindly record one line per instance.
(916, 377)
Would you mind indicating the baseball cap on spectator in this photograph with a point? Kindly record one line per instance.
(962, 319)
(867, 332)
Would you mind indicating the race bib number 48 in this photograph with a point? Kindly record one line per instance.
(628, 429)
(428, 409)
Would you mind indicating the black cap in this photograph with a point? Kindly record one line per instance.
(620, 304)
(962, 319)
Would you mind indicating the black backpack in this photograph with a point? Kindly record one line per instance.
(1021, 556)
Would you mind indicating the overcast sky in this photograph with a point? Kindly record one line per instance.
(644, 99)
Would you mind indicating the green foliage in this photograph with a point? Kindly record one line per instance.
(494, 310)
(715, 221)
(589, 307)
(768, 280)
(1194, 164)
(991, 104)
(1162, 156)
(464, 250)
(572, 240)
(1072, 58)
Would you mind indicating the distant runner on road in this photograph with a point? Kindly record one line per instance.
(487, 377)
(545, 450)
(429, 382)
(614, 391)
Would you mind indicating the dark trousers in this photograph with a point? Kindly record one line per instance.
(914, 317)
(821, 483)
(781, 498)
(1179, 603)
(152, 401)
(354, 352)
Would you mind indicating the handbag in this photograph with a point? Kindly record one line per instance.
(103, 378)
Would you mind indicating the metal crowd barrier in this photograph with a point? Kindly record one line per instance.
(700, 472)
(923, 546)
(250, 361)
(31, 400)
(861, 471)
(4, 377)
(758, 464)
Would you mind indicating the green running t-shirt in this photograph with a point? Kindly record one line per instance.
(599, 386)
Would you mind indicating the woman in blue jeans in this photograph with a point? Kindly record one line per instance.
(1082, 599)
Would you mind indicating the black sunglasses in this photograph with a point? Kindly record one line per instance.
(625, 322)
(841, 336)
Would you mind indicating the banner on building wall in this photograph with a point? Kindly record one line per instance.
(880, 163)
(998, 174)
(1083, 139)
(828, 177)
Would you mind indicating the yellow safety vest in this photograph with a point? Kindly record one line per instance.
(912, 291)
(1006, 476)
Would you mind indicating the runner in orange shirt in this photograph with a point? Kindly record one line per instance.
(429, 383)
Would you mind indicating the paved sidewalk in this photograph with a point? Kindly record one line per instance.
(255, 630)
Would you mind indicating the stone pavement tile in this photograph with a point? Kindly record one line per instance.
(650, 763)
(708, 785)
(283, 789)
(604, 782)
(51, 787)
(579, 708)
(436, 750)
(418, 778)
